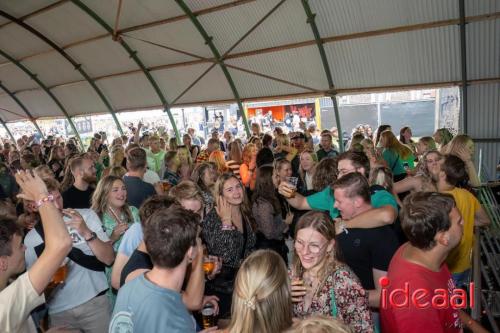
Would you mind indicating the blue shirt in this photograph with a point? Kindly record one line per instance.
(142, 306)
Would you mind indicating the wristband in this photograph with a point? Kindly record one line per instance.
(48, 198)
(227, 227)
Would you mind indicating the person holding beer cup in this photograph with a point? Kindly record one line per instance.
(228, 234)
(320, 283)
(25, 293)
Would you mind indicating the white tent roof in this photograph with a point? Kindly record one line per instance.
(369, 45)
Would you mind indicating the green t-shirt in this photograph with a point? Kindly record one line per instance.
(99, 168)
(411, 161)
(394, 162)
(155, 161)
(325, 200)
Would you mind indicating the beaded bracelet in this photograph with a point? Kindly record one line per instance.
(227, 227)
(48, 198)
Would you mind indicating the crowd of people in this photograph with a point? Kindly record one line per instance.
(277, 233)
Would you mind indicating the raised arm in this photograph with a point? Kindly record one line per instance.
(137, 133)
(407, 184)
(193, 296)
(295, 200)
(376, 217)
(57, 240)
(466, 156)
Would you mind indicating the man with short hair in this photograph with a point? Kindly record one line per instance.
(25, 293)
(36, 149)
(417, 272)
(194, 137)
(152, 302)
(137, 189)
(327, 149)
(453, 172)
(81, 303)
(212, 145)
(79, 194)
(367, 251)
(383, 201)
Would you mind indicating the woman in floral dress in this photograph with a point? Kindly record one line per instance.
(322, 285)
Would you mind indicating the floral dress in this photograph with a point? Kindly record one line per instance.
(109, 223)
(349, 303)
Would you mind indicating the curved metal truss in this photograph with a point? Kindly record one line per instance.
(8, 131)
(22, 106)
(133, 56)
(311, 19)
(66, 56)
(35, 78)
(218, 58)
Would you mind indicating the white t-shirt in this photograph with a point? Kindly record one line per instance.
(16, 303)
(131, 239)
(81, 284)
(151, 177)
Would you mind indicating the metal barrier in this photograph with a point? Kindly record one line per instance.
(486, 263)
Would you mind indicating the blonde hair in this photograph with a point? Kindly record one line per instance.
(217, 157)
(319, 324)
(429, 142)
(115, 154)
(261, 297)
(44, 172)
(186, 190)
(101, 194)
(285, 140)
(188, 155)
(382, 176)
(247, 152)
(457, 143)
(322, 223)
(314, 157)
(117, 171)
(392, 143)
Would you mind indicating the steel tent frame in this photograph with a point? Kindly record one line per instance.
(133, 56)
(35, 78)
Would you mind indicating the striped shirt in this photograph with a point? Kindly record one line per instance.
(234, 167)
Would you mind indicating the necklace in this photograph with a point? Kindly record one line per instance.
(118, 220)
(310, 283)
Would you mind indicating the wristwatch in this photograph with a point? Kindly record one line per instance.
(93, 236)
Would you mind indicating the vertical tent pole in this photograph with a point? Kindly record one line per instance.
(319, 42)
(463, 62)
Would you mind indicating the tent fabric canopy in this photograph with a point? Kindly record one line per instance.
(267, 46)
